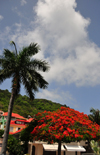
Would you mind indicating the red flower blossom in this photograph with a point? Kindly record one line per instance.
(64, 124)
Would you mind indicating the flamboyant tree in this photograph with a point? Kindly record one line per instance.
(64, 125)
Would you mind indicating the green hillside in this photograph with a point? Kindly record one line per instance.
(24, 106)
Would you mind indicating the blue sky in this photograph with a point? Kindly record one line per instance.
(68, 34)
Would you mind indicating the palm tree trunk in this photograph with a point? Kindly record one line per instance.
(59, 148)
(6, 132)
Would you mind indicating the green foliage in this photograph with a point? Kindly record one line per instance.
(25, 135)
(14, 146)
(95, 146)
(95, 115)
(24, 106)
(1, 133)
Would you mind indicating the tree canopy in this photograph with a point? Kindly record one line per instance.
(66, 125)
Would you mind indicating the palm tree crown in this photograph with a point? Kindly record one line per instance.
(23, 69)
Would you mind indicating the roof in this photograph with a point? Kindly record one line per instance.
(74, 148)
(20, 120)
(14, 115)
(13, 123)
(52, 147)
(30, 119)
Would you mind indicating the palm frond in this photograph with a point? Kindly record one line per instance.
(7, 53)
(95, 116)
(36, 80)
(13, 43)
(40, 65)
(28, 86)
(41, 82)
(30, 50)
(1, 59)
(4, 74)
(32, 81)
(91, 117)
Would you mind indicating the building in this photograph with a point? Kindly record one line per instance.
(17, 124)
(42, 148)
(14, 118)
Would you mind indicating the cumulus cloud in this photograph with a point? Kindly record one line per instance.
(73, 58)
(81, 68)
(61, 32)
(60, 24)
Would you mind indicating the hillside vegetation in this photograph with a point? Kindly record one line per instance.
(24, 107)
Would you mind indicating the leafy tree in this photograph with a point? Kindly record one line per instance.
(64, 125)
(23, 69)
(26, 136)
(95, 116)
(14, 146)
(30, 107)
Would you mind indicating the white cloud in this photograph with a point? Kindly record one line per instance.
(1, 17)
(23, 2)
(73, 58)
(81, 68)
(60, 24)
(58, 96)
(62, 34)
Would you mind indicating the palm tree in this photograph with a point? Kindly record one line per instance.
(95, 116)
(22, 68)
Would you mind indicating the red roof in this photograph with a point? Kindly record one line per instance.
(20, 120)
(30, 119)
(13, 122)
(11, 133)
(14, 115)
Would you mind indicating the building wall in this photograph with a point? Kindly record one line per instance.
(70, 153)
(39, 150)
(3, 120)
(14, 128)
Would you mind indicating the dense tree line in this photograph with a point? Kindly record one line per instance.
(24, 106)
